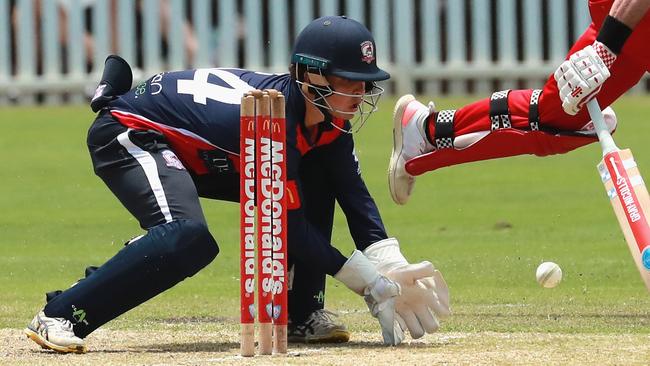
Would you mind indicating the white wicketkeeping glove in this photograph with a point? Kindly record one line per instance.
(425, 295)
(582, 76)
(379, 292)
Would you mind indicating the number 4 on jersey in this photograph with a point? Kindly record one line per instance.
(202, 90)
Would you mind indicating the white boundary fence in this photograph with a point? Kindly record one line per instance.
(52, 51)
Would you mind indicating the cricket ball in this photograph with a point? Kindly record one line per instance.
(549, 274)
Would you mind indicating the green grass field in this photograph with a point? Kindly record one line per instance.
(485, 225)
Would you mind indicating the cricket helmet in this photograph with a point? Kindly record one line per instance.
(338, 46)
(343, 47)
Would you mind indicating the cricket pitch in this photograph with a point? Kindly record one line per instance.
(118, 347)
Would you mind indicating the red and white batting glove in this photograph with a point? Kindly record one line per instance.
(580, 77)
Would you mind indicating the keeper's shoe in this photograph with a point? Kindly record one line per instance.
(409, 141)
(55, 334)
(321, 326)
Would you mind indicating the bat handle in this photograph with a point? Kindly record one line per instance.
(606, 140)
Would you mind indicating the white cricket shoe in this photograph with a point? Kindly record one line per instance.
(409, 141)
(55, 334)
(322, 326)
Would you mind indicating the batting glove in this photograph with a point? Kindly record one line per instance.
(582, 76)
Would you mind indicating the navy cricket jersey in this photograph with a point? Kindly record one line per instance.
(198, 110)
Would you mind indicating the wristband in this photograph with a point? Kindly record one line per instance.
(613, 34)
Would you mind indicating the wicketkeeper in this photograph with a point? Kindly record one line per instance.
(175, 137)
(607, 60)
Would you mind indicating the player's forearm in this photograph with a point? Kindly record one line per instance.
(619, 24)
(340, 164)
(629, 12)
(307, 245)
(580, 78)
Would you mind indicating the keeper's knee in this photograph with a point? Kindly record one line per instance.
(188, 243)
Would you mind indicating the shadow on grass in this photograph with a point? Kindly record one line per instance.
(194, 320)
(229, 347)
(186, 347)
(408, 344)
(154, 348)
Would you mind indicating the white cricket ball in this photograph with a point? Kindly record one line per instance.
(549, 274)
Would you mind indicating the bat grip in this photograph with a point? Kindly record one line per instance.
(606, 140)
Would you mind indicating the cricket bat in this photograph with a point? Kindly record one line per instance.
(627, 193)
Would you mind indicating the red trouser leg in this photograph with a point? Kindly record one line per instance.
(628, 69)
(626, 72)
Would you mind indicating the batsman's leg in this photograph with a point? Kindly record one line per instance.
(509, 123)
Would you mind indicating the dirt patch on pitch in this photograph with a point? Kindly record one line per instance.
(114, 347)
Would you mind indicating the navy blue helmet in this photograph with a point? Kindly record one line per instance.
(343, 47)
(339, 46)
